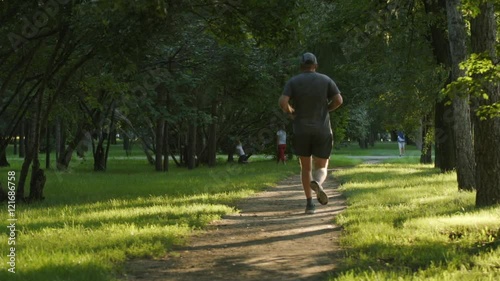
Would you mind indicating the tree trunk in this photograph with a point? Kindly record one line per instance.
(28, 158)
(230, 148)
(3, 159)
(201, 145)
(113, 136)
(149, 156)
(65, 156)
(15, 151)
(166, 148)
(212, 137)
(181, 144)
(23, 175)
(22, 140)
(3, 152)
(212, 145)
(444, 136)
(363, 143)
(37, 182)
(486, 132)
(99, 155)
(372, 137)
(57, 137)
(191, 146)
(465, 162)
(160, 127)
(32, 152)
(426, 151)
(47, 148)
(60, 139)
(126, 144)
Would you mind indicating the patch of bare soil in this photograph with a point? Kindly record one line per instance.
(269, 239)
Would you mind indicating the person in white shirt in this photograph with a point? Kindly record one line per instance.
(281, 144)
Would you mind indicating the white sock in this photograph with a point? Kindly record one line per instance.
(319, 175)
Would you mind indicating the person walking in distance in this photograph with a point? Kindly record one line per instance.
(401, 143)
(309, 97)
(281, 145)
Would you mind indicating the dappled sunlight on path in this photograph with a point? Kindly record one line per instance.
(269, 239)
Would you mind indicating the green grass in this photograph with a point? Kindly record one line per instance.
(405, 221)
(91, 222)
(379, 149)
(409, 222)
(344, 161)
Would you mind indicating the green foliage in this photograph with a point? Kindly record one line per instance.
(359, 123)
(339, 120)
(489, 111)
(380, 57)
(480, 71)
(270, 23)
(471, 7)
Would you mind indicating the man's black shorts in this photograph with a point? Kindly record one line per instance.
(318, 144)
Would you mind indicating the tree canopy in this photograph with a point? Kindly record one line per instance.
(186, 79)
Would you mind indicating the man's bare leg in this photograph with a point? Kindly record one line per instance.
(305, 175)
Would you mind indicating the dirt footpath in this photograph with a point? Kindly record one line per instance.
(269, 239)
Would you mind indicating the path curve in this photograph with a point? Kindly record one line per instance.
(269, 239)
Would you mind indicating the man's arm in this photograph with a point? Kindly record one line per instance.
(285, 105)
(335, 102)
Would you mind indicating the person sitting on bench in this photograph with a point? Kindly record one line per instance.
(243, 157)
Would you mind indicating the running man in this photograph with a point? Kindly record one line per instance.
(309, 97)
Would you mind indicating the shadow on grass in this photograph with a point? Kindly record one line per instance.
(400, 260)
(126, 183)
(397, 205)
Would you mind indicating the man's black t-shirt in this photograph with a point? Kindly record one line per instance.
(310, 93)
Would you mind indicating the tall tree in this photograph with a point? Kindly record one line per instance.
(444, 135)
(465, 161)
(486, 129)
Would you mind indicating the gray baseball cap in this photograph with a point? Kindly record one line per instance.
(308, 58)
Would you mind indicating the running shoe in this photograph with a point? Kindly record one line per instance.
(310, 209)
(320, 193)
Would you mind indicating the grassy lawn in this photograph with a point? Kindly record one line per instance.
(406, 221)
(91, 222)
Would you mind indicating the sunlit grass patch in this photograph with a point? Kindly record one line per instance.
(379, 149)
(98, 248)
(91, 222)
(409, 222)
(342, 161)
